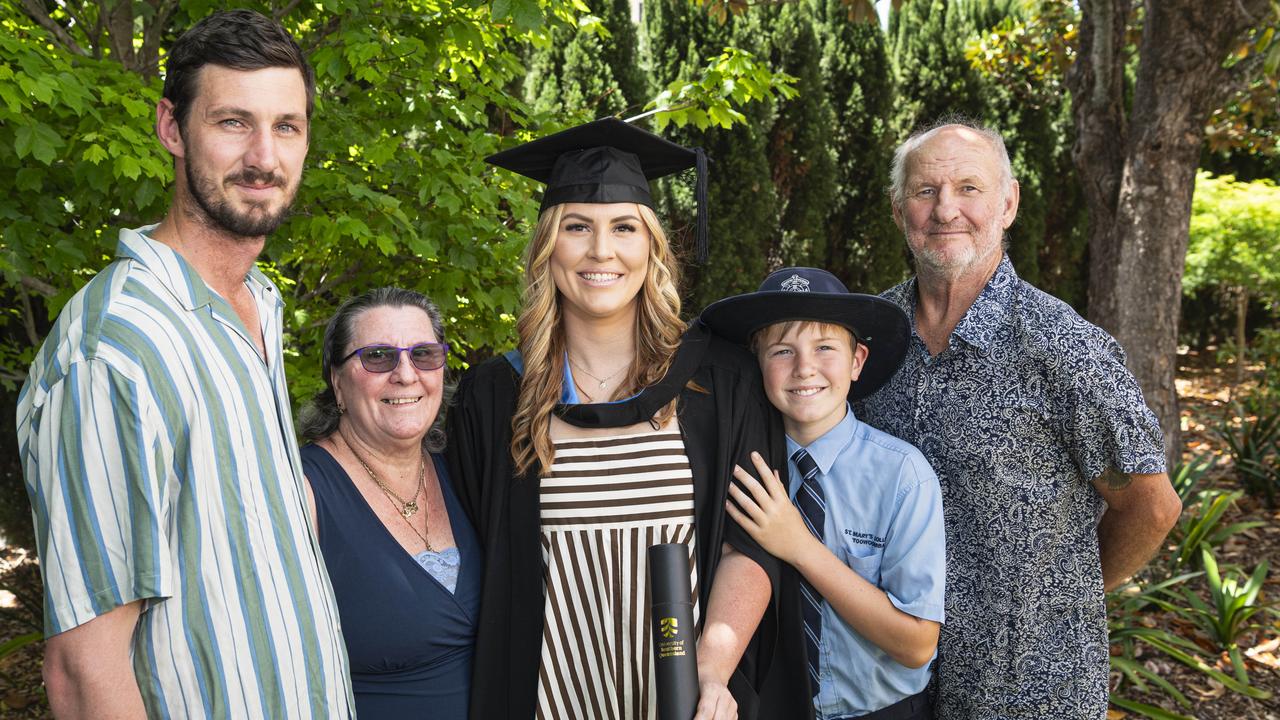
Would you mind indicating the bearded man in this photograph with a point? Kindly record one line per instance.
(1052, 468)
(182, 577)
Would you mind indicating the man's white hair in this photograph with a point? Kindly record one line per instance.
(898, 173)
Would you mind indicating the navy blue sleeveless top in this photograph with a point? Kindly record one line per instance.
(409, 640)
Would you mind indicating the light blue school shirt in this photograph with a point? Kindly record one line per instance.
(884, 520)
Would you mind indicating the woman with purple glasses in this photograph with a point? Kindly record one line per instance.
(403, 559)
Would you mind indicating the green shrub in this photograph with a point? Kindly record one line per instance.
(1253, 446)
(1187, 476)
(1129, 626)
(1233, 603)
(1128, 612)
(1205, 527)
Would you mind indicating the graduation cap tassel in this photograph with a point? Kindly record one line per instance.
(702, 249)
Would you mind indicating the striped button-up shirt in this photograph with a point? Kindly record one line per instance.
(161, 463)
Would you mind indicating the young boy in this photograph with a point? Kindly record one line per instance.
(865, 527)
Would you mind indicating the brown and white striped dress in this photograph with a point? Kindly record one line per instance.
(604, 502)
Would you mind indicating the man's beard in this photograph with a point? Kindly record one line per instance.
(953, 265)
(221, 213)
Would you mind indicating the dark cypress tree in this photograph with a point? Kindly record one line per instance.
(580, 73)
(621, 52)
(802, 152)
(678, 38)
(932, 76)
(862, 247)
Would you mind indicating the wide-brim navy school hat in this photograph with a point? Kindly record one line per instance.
(801, 293)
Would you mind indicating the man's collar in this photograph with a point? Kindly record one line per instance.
(178, 275)
(983, 319)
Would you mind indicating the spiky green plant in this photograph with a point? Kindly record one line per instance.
(1233, 603)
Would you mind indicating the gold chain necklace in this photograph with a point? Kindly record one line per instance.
(583, 391)
(426, 517)
(597, 378)
(407, 508)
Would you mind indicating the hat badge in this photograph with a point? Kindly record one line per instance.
(795, 283)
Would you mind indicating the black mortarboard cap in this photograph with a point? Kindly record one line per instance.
(606, 161)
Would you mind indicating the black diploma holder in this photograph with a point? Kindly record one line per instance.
(675, 655)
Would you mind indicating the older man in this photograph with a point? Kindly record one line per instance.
(182, 577)
(1051, 465)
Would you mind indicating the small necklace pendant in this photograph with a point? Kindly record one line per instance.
(601, 384)
(410, 509)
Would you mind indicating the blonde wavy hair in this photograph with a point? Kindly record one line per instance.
(542, 337)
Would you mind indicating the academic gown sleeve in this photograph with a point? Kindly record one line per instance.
(725, 419)
(472, 436)
(504, 511)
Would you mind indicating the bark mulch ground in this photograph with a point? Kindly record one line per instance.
(1204, 389)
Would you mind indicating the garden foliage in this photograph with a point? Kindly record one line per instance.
(410, 99)
(1234, 239)
(802, 180)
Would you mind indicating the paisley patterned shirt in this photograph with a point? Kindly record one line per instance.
(1024, 408)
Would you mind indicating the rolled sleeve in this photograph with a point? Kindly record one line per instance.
(1110, 423)
(913, 570)
(96, 481)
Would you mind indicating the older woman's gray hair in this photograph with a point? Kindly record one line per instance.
(320, 416)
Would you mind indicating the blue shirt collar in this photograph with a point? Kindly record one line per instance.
(568, 390)
(827, 448)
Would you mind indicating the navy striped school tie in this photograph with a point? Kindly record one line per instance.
(812, 503)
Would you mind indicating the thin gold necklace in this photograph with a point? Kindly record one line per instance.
(407, 508)
(583, 391)
(426, 517)
(597, 378)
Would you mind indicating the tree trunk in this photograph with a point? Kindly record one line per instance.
(1137, 166)
(119, 24)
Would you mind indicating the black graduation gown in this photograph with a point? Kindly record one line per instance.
(723, 415)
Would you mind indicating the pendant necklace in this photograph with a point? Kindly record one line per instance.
(408, 508)
(593, 376)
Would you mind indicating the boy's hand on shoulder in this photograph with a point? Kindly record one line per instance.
(765, 511)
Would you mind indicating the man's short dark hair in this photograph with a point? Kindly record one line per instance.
(237, 39)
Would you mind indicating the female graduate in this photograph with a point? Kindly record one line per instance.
(613, 427)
